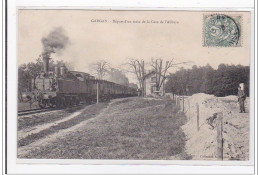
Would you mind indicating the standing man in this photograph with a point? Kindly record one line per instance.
(139, 92)
(241, 99)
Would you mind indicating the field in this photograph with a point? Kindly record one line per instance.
(138, 129)
(129, 128)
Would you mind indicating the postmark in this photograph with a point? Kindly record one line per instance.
(221, 30)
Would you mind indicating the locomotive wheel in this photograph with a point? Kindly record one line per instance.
(58, 103)
(77, 101)
(42, 103)
(70, 101)
(89, 100)
(74, 100)
(86, 100)
(67, 101)
(64, 102)
(108, 98)
(52, 103)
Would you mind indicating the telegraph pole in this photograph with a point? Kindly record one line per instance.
(156, 75)
(142, 66)
(97, 92)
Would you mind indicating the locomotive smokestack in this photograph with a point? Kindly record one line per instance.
(46, 64)
(55, 42)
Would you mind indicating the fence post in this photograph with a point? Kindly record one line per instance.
(97, 92)
(198, 117)
(179, 103)
(183, 103)
(219, 136)
(189, 107)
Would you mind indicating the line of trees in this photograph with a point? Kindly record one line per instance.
(221, 82)
(160, 66)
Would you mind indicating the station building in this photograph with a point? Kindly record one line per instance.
(150, 80)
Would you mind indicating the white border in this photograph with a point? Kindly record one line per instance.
(220, 4)
(213, 9)
(15, 168)
(2, 88)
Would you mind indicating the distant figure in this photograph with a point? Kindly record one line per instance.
(241, 99)
(139, 92)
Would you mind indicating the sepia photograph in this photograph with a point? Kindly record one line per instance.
(133, 85)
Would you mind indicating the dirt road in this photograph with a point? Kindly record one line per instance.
(130, 128)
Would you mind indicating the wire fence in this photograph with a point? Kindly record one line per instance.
(183, 103)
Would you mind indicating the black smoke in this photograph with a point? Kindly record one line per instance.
(54, 42)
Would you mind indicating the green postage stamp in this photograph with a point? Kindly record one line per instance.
(221, 30)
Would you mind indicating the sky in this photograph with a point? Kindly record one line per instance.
(95, 35)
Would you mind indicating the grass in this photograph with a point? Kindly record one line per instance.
(90, 112)
(134, 128)
(39, 119)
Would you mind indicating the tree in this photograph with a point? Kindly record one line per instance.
(22, 81)
(207, 79)
(136, 66)
(27, 73)
(161, 68)
(221, 82)
(34, 69)
(100, 68)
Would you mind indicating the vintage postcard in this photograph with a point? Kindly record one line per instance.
(134, 85)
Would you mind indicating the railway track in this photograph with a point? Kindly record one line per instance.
(40, 110)
(35, 111)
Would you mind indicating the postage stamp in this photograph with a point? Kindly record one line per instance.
(221, 30)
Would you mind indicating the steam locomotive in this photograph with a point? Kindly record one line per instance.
(62, 88)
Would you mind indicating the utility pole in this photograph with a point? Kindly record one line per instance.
(156, 74)
(143, 78)
(159, 75)
(97, 92)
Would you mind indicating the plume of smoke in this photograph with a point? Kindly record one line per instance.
(54, 42)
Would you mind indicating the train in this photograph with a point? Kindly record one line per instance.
(62, 88)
